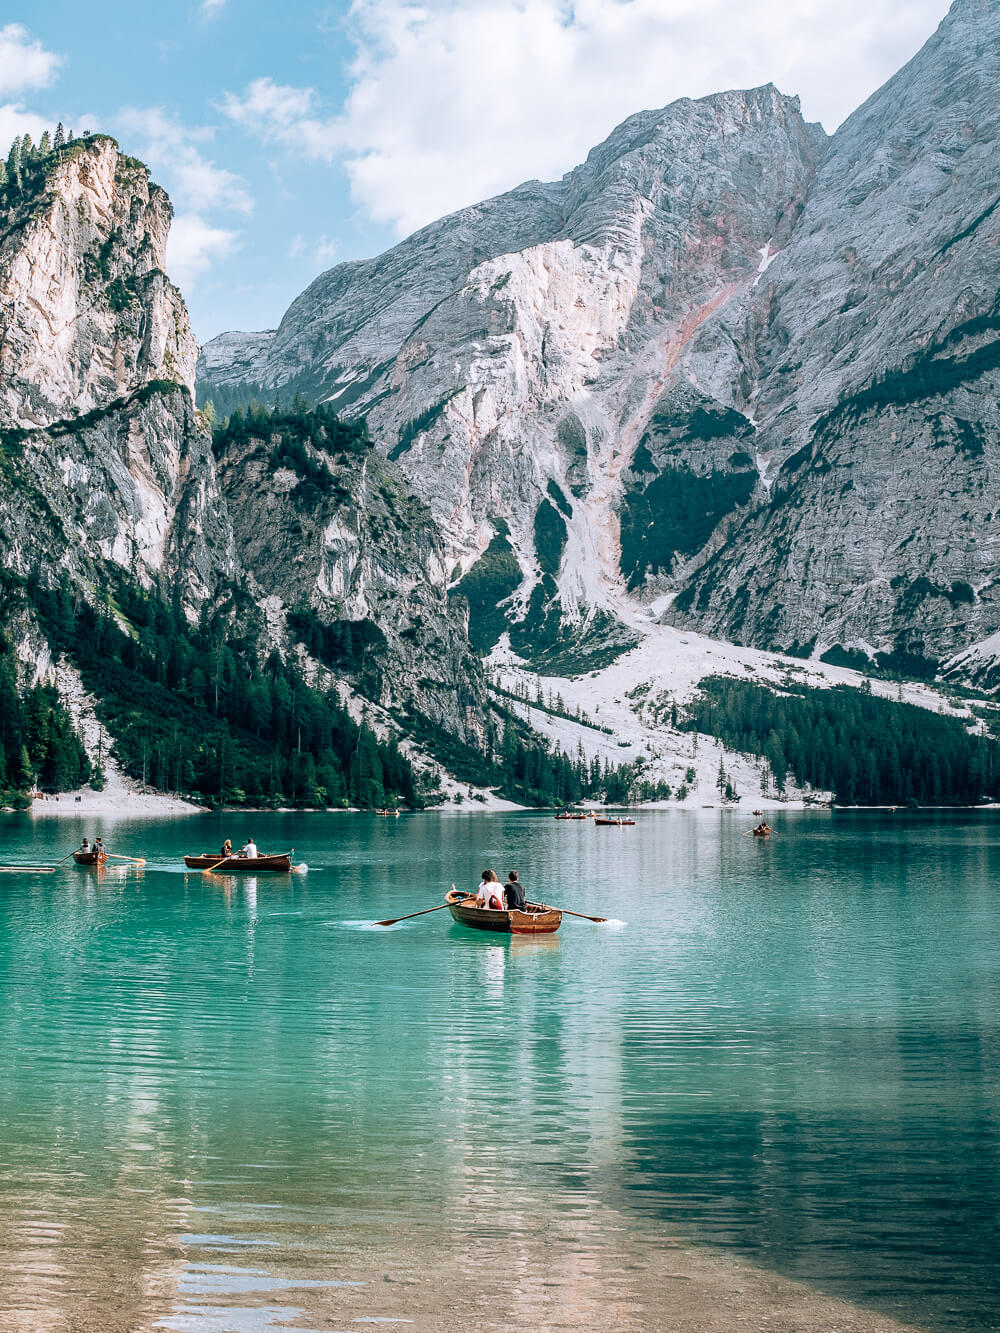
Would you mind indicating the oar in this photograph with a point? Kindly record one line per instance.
(136, 860)
(207, 870)
(566, 912)
(392, 920)
(67, 856)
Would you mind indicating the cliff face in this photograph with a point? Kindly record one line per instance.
(510, 357)
(348, 565)
(107, 470)
(88, 314)
(879, 353)
(104, 459)
(719, 362)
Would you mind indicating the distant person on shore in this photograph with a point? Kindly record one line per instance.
(513, 893)
(488, 893)
(227, 848)
(249, 848)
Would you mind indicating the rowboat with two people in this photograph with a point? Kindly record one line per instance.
(96, 854)
(574, 814)
(91, 858)
(535, 919)
(613, 823)
(227, 865)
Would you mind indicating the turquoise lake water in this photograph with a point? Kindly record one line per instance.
(216, 1091)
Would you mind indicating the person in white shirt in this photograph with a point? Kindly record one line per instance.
(488, 893)
(249, 848)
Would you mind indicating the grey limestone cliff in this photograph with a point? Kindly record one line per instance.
(515, 351)
(879, 362)
(720, 362)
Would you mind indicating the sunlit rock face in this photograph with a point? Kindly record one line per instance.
(107, 472)
(89, 314)
(722, 361)
(106, 462)
(879, 364)
(511, 356)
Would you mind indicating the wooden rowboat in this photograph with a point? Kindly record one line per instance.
(618, 823)
(90, 858)
(536, 920)
(762, 833)
(282, 861)
(573, 815)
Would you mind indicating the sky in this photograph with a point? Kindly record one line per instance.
(295, 135)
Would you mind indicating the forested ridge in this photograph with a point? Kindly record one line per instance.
(867, 750)
(38, 746)
(194, 709)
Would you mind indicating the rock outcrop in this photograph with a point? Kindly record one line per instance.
(510, 357)
(719, 362)
(105, 460)
(879, 364)
(107, 471)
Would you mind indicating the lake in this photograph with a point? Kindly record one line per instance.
(229, 1103)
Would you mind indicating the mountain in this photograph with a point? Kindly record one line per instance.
(876, 527)
(724, 370)
(114, 495)
(726, 377)
(510, 357)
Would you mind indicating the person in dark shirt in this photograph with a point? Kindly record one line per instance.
(513, 894)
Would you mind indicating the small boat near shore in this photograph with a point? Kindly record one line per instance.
(227, 865)
(538, 919)
(90, 858)
(573, 814)
(614, 823)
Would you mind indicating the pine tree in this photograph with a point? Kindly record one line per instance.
(60, 140)
(44, 144)
(14, 163)
(24, 775)
(27, 149)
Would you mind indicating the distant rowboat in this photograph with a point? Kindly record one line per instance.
(228, 864)
(536, 920)
(617, 823)
(90, 858)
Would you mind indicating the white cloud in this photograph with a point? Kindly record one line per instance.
(172, 151)
(326, 250)
(277, 113)
(210, 8)
(454, 100)
(15, 120)
(24, 63)
(194, 246)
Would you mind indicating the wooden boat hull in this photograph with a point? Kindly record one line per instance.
(90, 858)
(240, 864)
(537, 920)
(758, 834)
(616, 823)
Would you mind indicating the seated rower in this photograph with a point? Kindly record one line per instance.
(85, 845)
(227, 848)
(249, 848)
(513, 894)
(488, 893)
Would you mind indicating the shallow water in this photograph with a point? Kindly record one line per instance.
(224, 1098)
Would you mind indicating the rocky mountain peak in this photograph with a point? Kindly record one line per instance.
(89, 315)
